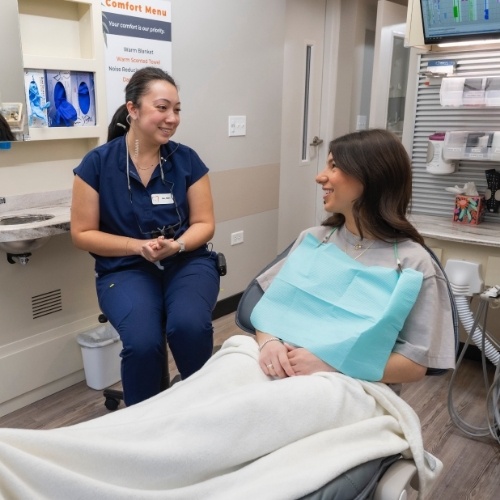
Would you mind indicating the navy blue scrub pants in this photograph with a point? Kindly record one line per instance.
(145, 304)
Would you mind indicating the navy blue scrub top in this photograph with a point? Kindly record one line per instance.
(133, 213)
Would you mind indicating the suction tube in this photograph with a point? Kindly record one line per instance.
(467, 319)
(489, 351)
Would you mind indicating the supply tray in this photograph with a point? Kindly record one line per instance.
(472, 145)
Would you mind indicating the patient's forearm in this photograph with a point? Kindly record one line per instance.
(400, 370)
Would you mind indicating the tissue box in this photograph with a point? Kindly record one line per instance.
(469, 209)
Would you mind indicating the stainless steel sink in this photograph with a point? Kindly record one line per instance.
(12, 220)
(23, 246)
(27, 245)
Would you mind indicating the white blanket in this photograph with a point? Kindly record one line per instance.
(226, 432)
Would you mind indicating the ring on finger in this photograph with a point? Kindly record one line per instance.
(270, 366)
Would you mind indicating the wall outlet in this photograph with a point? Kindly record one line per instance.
(237, 238)
(237, 126)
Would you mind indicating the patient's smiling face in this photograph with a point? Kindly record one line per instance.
(340, 190)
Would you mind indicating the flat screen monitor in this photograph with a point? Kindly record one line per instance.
(460, 20)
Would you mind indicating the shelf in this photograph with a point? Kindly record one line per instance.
(59, 27)
(58, 63)
(65, 35)
(55, 133)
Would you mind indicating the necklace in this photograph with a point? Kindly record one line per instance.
(357, 246)
(143, 168)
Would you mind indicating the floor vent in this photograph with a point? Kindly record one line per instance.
(46, 303)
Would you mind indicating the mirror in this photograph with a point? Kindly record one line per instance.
(11, 67)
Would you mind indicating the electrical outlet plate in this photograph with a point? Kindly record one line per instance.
(237, 238)
(237, 126)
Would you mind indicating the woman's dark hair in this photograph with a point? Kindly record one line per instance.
(118, 125)
(378, 160)
(136, 88)
(139, 84)
(6, 133)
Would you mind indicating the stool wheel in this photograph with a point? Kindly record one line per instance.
(111, 403)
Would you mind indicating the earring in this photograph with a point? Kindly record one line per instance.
(129, 119)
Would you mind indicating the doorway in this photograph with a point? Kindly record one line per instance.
(302, 145)
(323, 85)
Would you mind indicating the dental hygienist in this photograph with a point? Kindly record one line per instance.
(142, 206)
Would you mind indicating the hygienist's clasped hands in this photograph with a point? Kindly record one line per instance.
(158, 249)
(284, 360)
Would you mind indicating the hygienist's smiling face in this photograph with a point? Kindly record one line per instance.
(340, 190)
(158, 113)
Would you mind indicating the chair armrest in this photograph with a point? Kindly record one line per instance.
(396, 481)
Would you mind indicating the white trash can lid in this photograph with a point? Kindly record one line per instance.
(100, 337)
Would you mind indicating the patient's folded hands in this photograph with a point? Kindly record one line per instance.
(284, 360)
(273, 359)
(304, 362)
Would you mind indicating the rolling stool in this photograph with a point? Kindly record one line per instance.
(114, 396)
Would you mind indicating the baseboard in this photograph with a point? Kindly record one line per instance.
(226, 306)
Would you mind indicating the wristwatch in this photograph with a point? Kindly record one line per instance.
(182, 246)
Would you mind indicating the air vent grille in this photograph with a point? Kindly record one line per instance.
(46, 303)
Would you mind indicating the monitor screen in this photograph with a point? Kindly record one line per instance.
(460, 20)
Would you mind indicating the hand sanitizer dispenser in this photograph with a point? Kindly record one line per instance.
(436, 164)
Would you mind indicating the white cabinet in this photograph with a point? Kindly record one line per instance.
(66, 35)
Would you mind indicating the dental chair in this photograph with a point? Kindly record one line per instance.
(387, 478)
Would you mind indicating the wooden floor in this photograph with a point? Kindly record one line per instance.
(471, 465)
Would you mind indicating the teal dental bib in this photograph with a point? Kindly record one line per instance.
(344, 312)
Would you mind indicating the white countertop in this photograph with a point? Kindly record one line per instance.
(56, 203)
(485, 234)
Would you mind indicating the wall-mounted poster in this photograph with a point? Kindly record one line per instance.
(136, 34)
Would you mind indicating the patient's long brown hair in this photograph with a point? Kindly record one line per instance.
(378, 160)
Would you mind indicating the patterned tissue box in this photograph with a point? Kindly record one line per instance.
(469, 209)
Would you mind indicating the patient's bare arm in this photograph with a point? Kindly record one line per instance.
(400, 370)
(305, 362)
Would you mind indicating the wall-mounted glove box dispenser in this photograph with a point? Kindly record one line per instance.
(472, 145)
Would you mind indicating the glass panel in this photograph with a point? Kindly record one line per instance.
(397, 88)
(305, 122)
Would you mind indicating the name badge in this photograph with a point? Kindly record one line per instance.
(162, 199)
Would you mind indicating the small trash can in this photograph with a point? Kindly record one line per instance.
(101, 349)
